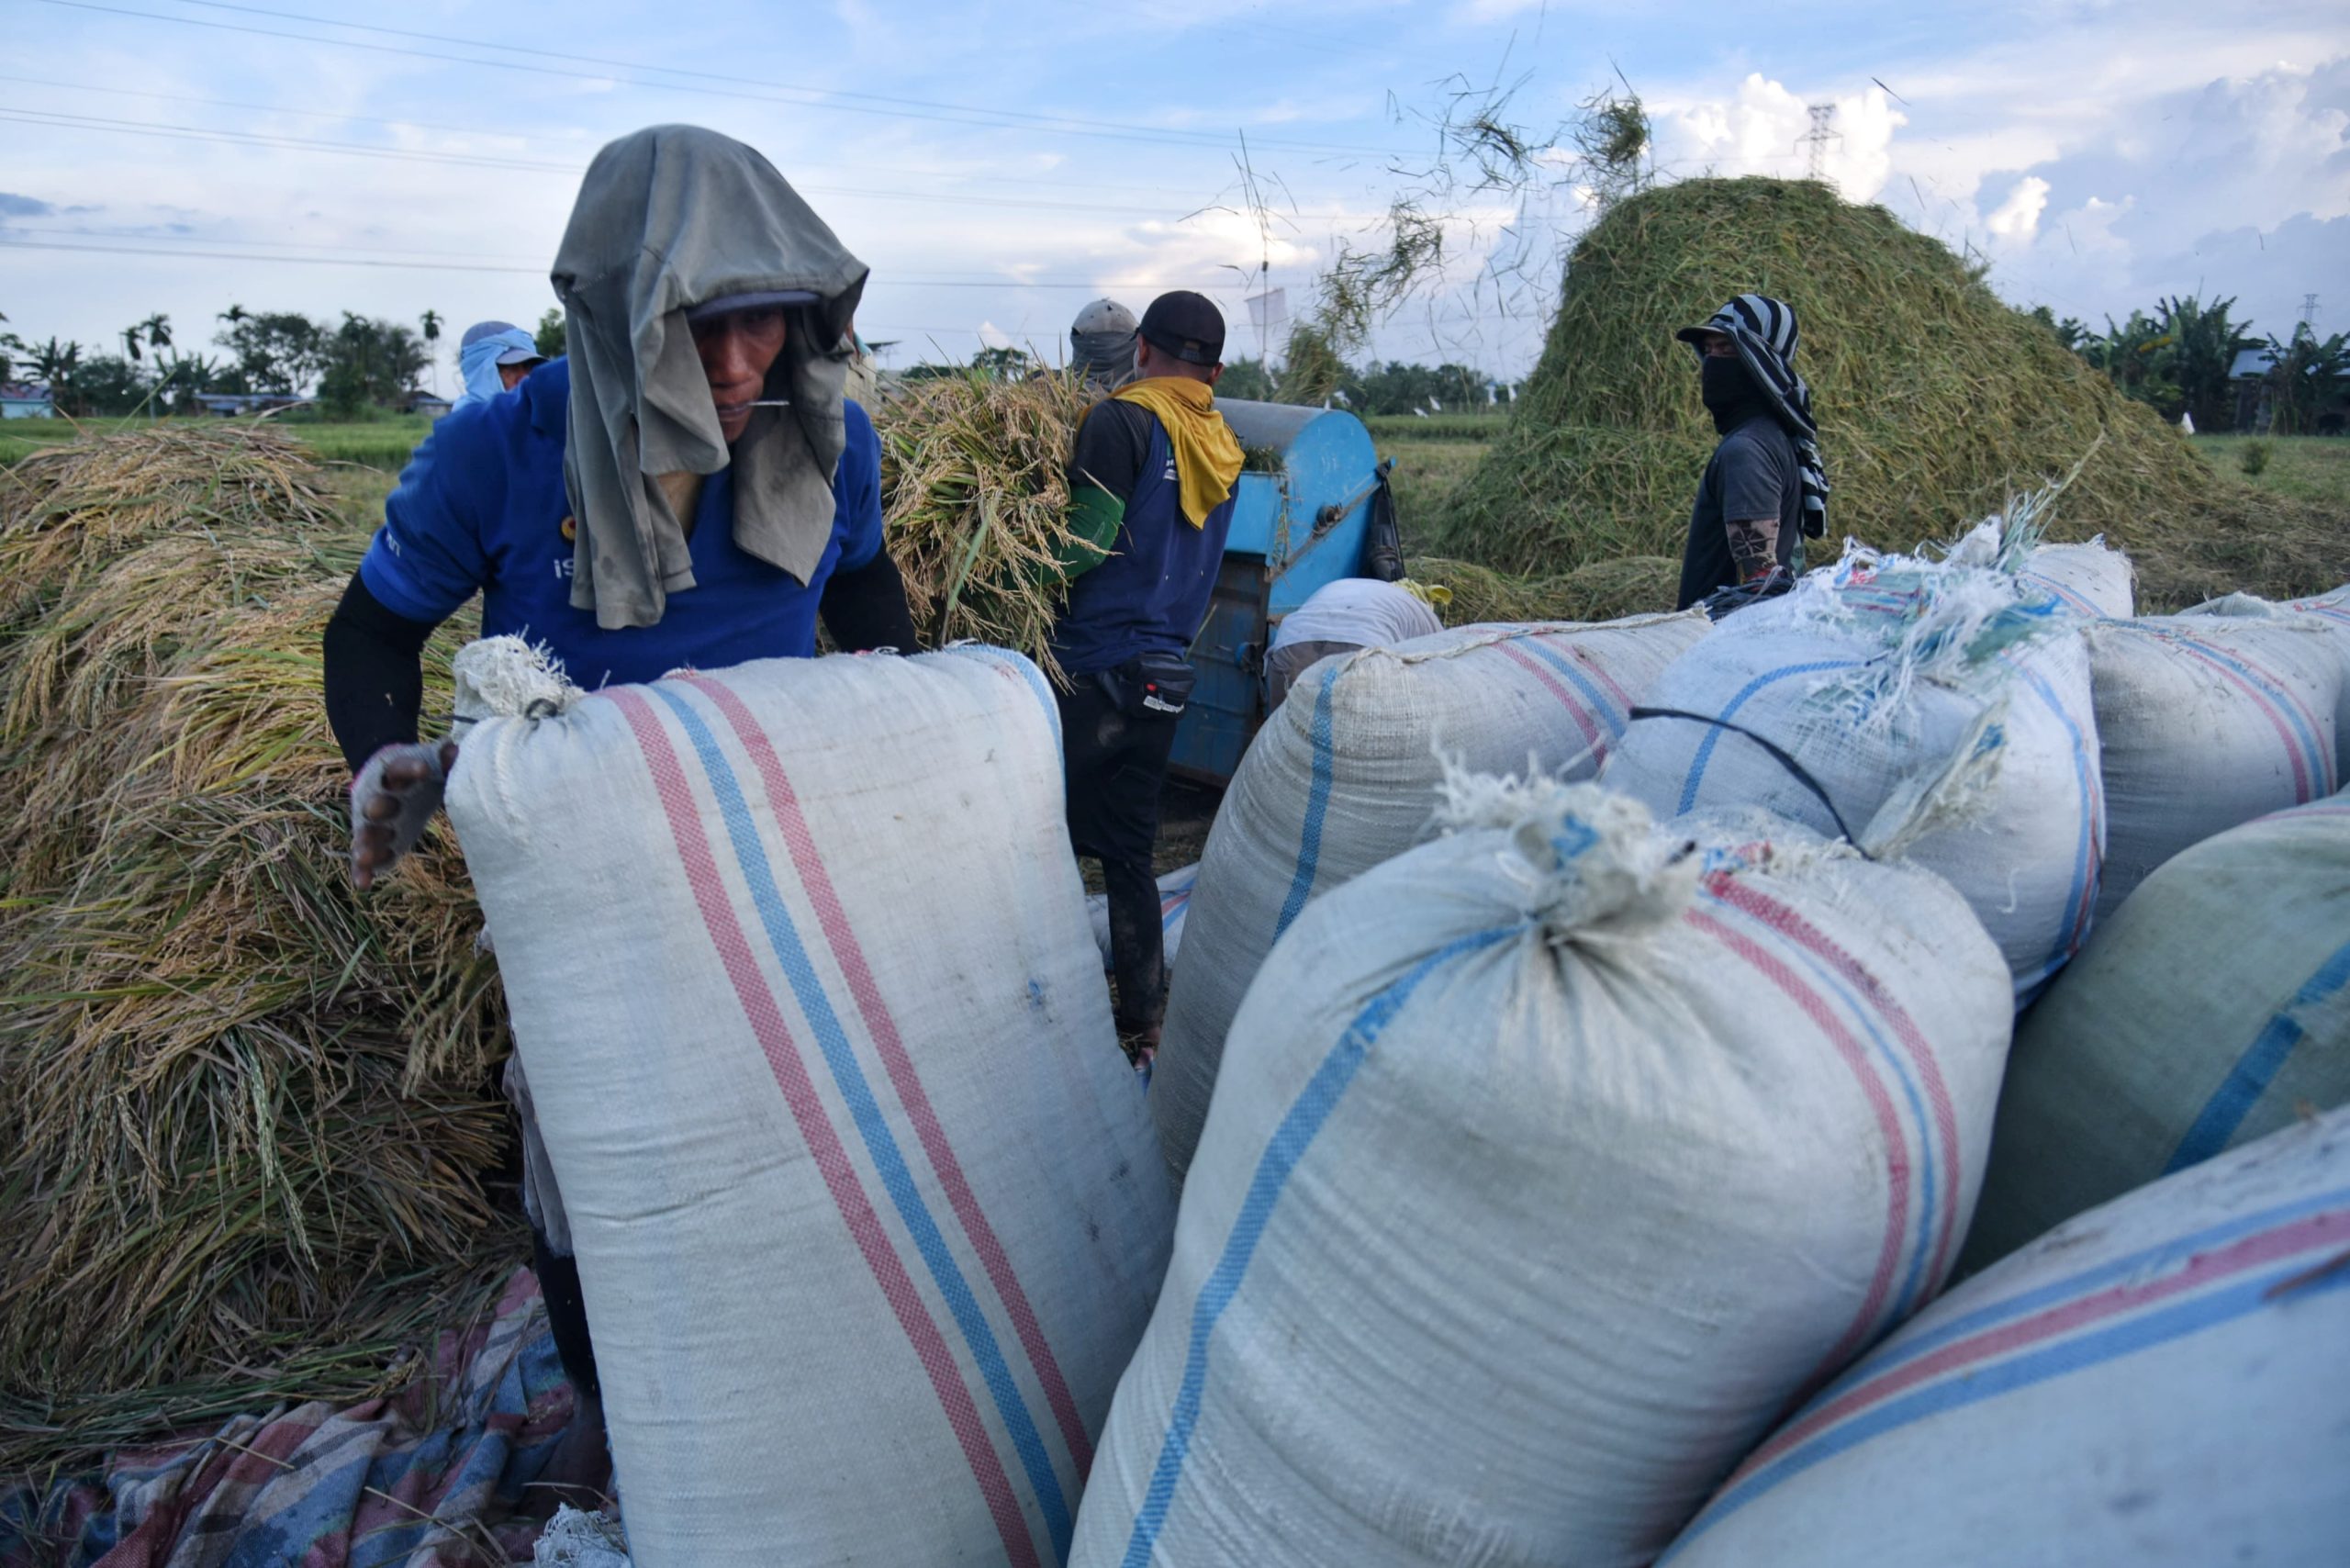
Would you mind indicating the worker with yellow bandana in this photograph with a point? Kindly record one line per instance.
(1150, 487)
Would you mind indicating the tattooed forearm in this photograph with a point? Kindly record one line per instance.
(1754, 546)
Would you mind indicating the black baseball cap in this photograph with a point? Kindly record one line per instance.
(1185, 325)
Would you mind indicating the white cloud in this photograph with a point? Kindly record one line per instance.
(1761, 130)
(2236, 186)
(2017, 218)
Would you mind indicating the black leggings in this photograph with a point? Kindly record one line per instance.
(566, 1314)
(1115, 764)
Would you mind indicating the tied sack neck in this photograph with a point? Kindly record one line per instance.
(1207, 455)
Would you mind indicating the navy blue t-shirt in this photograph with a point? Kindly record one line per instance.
(1754, 473)
(481, 508)
(1152, 594)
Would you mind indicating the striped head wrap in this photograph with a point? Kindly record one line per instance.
(1765, 330)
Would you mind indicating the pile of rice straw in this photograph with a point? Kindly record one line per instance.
(251, 1111)
(974, 504)
(1603, 591)
(1936, 402)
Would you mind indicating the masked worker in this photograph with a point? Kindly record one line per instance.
(493, 357)
(1151, 487)
(689, 487)
(1339, 617)
(1101, 345)
(1764, 492)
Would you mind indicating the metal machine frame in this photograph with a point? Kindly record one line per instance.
(1295, 526)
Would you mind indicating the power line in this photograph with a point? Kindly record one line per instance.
(476, 160)
(150, 233)
(958, 176)
(8, 245)
(159, 245)
(823, 92)
(804, 97)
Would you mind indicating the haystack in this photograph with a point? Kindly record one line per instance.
(1936, 402)
(251, 1111)
(1601, 590)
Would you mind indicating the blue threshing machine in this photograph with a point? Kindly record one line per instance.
(1321, 513)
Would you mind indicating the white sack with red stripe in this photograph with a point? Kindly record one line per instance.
(2208, 720)
(2208, 1011)
(1551, 1163)
(2332, 610)
(869, 1211)
(1344, 775)
(2091, 578)
(1937, 709)
(1174, 904)
(2160, 1382)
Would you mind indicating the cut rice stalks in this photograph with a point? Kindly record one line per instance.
(975, 505)
(255, 1111)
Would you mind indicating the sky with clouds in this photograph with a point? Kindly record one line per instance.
(999, 164)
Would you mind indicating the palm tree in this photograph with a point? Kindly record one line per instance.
(2305, 373)
(131, 342)
(187, 374)
(158, 328)
(432, 323)
(55, 362)
(234, 314)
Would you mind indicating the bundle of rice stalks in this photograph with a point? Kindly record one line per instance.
(1936, 402)
(1602, 590)
(974, 504)
(253, 1110)
(75, 509)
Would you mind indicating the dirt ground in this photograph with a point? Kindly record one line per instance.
(1185, 813)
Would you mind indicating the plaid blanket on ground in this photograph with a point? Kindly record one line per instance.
(433, 1477)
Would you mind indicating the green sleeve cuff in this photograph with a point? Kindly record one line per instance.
(1094, 516)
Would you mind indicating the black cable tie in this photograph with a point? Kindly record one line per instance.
(1777, 753)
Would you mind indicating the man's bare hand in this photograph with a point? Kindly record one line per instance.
(391, 801)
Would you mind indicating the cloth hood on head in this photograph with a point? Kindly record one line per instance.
(1765, 333)
(667, 218)
(477, 363)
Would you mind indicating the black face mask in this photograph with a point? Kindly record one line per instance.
(1727, 388)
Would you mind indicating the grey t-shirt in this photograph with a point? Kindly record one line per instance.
(1754, 473)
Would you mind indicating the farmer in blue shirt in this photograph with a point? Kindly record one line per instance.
(689, 487)
(1151, 494)
(493, 357)
(482, 509)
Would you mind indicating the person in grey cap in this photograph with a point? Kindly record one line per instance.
(1101, 345)
(493, 357)
(1150, 504)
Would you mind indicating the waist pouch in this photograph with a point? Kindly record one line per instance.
(1155, 683)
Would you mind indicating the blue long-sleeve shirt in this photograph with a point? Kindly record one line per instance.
(481, 508)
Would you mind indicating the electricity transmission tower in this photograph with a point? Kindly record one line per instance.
(1822, 117)
(2308, 311)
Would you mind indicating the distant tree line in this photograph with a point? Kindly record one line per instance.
(1391, 389)
(2180, 359)
(353, 366)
